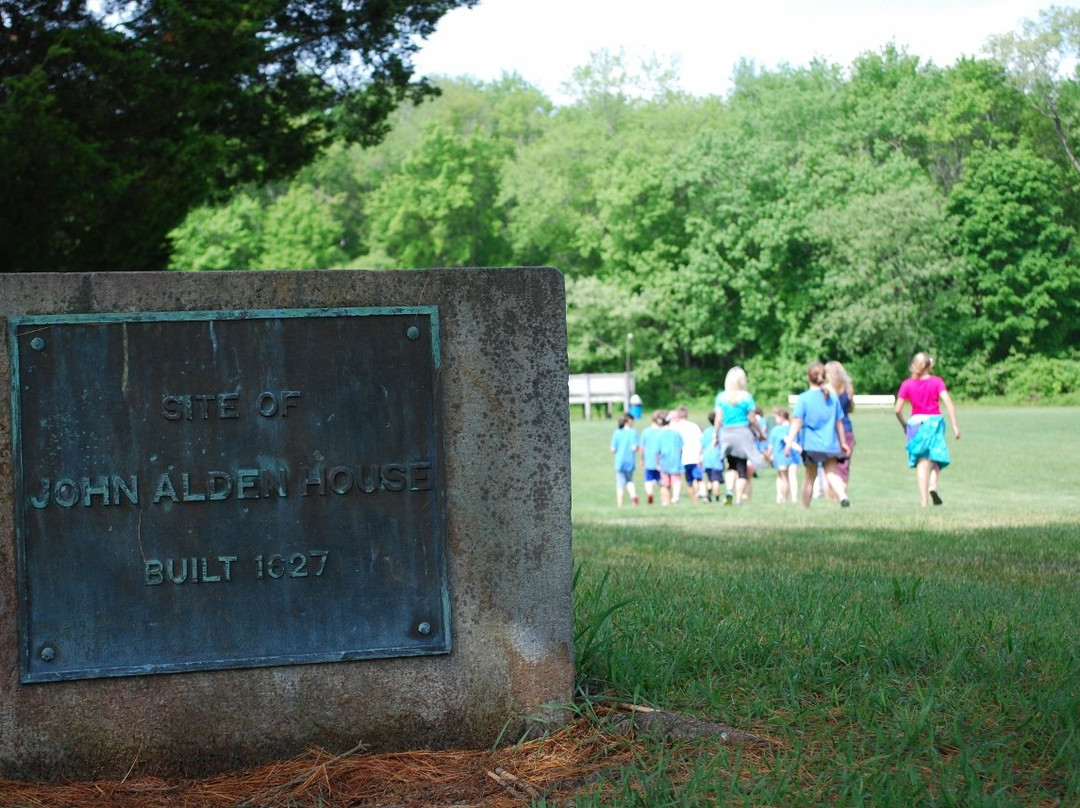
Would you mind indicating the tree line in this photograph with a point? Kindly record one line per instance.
(857, 212)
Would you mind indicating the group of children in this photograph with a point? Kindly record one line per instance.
(675, 452)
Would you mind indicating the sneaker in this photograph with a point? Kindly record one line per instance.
(729, 498)
(845, 503)
(934, 496)
(650, 499)
(634, 501)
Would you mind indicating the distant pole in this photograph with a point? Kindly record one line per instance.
(629, 343)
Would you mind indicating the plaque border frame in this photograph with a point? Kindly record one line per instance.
(15, 322)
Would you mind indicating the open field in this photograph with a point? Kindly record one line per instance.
(879, 655)
(892, 656)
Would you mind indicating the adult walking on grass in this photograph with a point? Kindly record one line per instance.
(738, 432)
(817, 430)
(924, 429)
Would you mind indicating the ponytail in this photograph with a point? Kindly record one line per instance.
(815, 374)
(921, 363)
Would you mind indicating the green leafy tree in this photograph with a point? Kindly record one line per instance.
(550, 192)
(815, 212)
(341, 183)
(440, 209)
(610, 88)
(508, 113)
(119, 117)
(751, 275)
(1041, 60)
(303, 231)
(890, 284)
(975, 108)
(300, 228)
(890, 100)
(608, 326)
(222, 237)
(1022, 271)
(580, 198)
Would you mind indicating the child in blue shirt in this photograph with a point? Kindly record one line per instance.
(671, 465)
(712, 459)
(624, 445)
(650, 452)
(817, 431)
(786, 465)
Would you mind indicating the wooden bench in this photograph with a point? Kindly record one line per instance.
(601, 388)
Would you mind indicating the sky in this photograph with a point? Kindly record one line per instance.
(544, 40)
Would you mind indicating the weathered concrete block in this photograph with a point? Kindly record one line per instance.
(505, 498)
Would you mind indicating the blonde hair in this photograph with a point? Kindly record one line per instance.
(921, 363)
(838, 377)
(735, 381)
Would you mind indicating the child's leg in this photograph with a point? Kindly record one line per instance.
(808, 484)
(827, 488)
(632, 492)
(742, 481)
(836, 482)
(922, 479)
(793, 482)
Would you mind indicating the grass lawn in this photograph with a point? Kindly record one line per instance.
(893, 656)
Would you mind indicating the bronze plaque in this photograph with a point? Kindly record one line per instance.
(226, 489)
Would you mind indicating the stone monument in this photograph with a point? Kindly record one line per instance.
(250, 513)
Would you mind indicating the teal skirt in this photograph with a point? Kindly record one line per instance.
(926, 440)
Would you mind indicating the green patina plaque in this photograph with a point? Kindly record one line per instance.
(223, 489)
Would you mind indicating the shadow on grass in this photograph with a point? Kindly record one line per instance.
(897, 666)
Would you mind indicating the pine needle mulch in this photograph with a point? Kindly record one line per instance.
(584, 756)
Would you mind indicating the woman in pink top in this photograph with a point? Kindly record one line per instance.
(925, 428)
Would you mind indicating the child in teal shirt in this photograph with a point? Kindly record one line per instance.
(624, 445)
